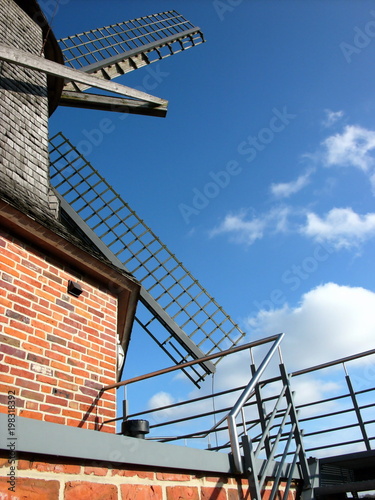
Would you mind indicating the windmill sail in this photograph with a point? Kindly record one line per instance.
(114, 50)
(176, 311)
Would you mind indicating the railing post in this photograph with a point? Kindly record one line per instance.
(261, 413)
(297, 431)
(249, 390)
(251, 468)
(358, 413)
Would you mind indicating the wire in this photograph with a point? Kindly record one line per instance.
(49, 27)
(213, 406)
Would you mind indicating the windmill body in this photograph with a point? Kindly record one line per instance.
(174, 309)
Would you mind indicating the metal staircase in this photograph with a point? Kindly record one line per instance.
(271, 437)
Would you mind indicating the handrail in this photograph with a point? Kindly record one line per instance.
(181, 366)
(333, 363)
(267, 429)
(231, 418)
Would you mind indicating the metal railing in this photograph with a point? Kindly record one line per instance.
(347, 410)
(268, 440)
(257, 462)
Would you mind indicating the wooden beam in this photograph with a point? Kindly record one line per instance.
(37, 63)
(108, 103)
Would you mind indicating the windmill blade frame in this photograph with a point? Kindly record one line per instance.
(117, 49)
(193, 321)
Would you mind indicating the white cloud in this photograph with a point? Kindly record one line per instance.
(159, 400)
(246, 230)
(286, 189)
(342, 227)
(241, 230)
(352, 148)
(332, 117)
(331, 322)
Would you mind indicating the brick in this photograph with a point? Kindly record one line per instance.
(184, 493)
(32, 348)
(22, 373)
(36, 396)
(55, 410)
(56, 467)
(96, 471)
(235, 495)
(218, 480)
(54, 355)
(37, 359)
(82, 490)
(54, 419)
(141, 492)
(76, 347)
(19, 299)
(52, 276)
(45, 379)
(5, 262)
(71, 414)
(217, 493)
(24, 464)
(17, 316)
(30, 405)
(18, 325)
(53, 400)
(39, 342)
(82, 373)
(13, 351)
(9, 340)
(30, 414)
(60, 366)
(40, 325)
(67, 385)
(88, 392)
(76, 362)
(31, 489)
(64, 376)
(133, 473)
(27, 384)
(56, 339)
(167, 476)
(65, 305)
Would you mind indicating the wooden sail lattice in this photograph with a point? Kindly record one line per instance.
(114, 50)
(178, 313)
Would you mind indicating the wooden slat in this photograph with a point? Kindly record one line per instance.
(108, 103)
(31, 61)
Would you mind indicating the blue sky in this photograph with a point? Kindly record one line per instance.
(261, 178)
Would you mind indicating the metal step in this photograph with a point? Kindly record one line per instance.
(350, 473)
(323, 492)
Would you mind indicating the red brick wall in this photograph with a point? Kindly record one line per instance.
(56, 350)
(55, 480)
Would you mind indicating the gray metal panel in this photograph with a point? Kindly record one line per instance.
(34, 436)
